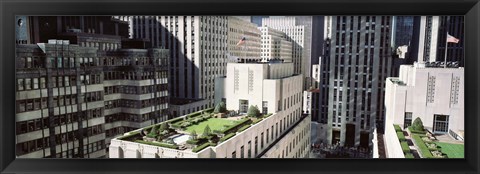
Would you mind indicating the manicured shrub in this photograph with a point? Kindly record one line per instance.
(209, 110)
(415, 131)
(397, 128)
(175, 120)
(258, 120)
(194, 142)
(400, 136)
(236, 126)
(422, 147)
(153, 132)
(253, 111)
(409, 155)
(417, 124)
(405, 147)
(207, 131)
(220, 108)
(130, 135)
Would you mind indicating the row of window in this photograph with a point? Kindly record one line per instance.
(133, 75)
(44, 123)
(135, 89)
(135, 117)
(57, 81)
(138, 104)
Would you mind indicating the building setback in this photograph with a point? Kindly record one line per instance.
(357, 59)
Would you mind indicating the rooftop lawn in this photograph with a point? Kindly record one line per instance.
(452, 150)
(213, 123)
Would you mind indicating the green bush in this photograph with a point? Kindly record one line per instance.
(220, 108)
(253, 111)
(422, 147)
(172, 146)
(207, 131)
(405, 147)
(409, 155)
(400, 136)
(201, 147)
(195, 114)
(417, 124)
(226, 137)
(243, 128)
(397, 128)
(153, 132)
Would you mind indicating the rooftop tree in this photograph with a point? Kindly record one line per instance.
(220, 108)
(253, 111)
(417, 124)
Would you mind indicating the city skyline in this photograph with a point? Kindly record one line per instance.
(90, 80)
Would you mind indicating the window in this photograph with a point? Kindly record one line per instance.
(261, 140)
(249, 149)
(20, 85)
(234, 154)
(407, 121)
(256, 146)
(265, 107)
(243, 106)
(440, 124)
(242, 152)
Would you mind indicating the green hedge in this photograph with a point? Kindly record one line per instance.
(195, 142)
(175, 120)
(400, 136)
(258, 120)
(415, 132)
(235, 126)
(405, 147)
(172, 146)
(409, 155)
(129, 135)
(397, 128)
(201, 147)
(422, 147)
(243, 128)
(226, 137)
(209, 110)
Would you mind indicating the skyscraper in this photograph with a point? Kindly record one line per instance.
(198, 48)
(356, 62)
(429, 38)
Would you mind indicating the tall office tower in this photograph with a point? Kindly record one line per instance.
(250, 48)
(430, 34)
(282, 131)
(275, 45)
(85, 89)
(358, 59)
(198, 47)
(299, 31)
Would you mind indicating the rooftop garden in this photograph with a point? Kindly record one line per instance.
(427, 144)
(204, 128)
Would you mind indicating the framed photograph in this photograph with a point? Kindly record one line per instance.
(239, 87)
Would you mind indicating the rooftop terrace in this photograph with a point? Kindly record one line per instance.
(195, 131)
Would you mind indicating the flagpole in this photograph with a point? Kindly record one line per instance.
(446, 48)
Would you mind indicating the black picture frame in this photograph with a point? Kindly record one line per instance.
(9, 9)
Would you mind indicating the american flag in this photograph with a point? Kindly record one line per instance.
(450, 38)
(241, 41)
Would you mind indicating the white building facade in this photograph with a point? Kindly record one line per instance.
(433, 94)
